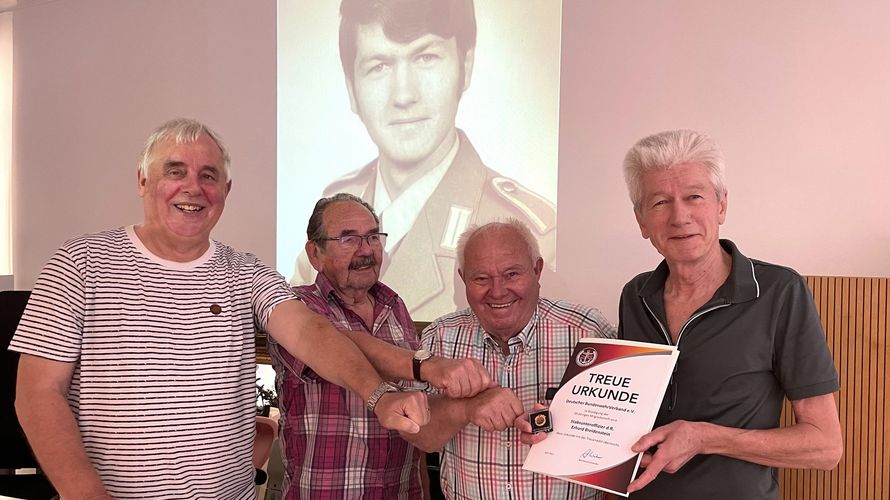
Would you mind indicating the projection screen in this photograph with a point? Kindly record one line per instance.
(501, 163)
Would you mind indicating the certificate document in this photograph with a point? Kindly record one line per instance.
(608, 399)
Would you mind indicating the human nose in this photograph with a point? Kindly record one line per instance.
(405, 89)
(190, 184)
(364, 245)
(679, 214)
(497, 287)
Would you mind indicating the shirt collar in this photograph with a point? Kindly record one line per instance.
(740, 286)
(398, 215)
(382, 294)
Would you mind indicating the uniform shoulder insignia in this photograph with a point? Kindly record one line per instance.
(539, 211)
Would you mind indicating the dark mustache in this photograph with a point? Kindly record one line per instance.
(367, 260)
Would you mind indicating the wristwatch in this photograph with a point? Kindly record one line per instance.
(381, 389)
(419, 357)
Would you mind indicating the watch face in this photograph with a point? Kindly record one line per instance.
(422, 354)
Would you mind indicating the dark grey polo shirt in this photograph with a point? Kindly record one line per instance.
(758, 339)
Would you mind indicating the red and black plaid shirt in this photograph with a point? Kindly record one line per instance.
(333, 446)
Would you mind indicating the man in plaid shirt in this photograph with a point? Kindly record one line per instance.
(525, 341)
(333, 445)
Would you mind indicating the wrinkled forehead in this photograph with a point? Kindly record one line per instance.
(496, 250)
(690, 175)
(347, 217)
(202, 152)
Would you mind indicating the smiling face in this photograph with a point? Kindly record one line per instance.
(183, 195)
(407, 94)
(502, 281)
(349, 271)
(681, 213)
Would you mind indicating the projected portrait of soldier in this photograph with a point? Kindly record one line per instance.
(407, 64)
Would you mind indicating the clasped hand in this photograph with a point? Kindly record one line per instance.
(403, 411)
(456, 378)
(495, 409)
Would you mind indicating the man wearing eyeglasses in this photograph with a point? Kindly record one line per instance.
(332, 445)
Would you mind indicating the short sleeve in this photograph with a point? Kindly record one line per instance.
(268, 289)
(804, 365)
(52, 324)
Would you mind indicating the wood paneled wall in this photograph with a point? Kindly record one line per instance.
(855, 316)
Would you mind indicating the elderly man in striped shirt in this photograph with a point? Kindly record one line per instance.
(525, 342)
(136, 378)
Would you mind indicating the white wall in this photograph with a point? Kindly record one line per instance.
(5, 142)
(795, 93)
(93, 78)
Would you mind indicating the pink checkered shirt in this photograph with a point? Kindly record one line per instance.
(333, 446)
(488, 465)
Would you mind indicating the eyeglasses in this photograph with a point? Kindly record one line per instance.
(354, 241)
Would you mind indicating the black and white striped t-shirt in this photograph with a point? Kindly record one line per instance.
(164, 383)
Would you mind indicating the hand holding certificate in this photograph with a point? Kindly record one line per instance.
(608, 399)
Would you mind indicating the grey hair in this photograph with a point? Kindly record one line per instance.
(181, 131)
(669, 149)
(315, 230)
(534, 252)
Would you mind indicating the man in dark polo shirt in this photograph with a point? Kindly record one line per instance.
(747, 331)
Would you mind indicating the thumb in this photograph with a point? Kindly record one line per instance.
(401, 423)
(409, 427)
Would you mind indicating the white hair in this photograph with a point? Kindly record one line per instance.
(534, 252)
(181, 131)
(668, 149)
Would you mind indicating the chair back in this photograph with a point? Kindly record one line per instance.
(15, 452)
(266, 432)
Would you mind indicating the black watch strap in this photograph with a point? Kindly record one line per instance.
(419, 357)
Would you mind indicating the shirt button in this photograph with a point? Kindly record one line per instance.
(508, 486)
